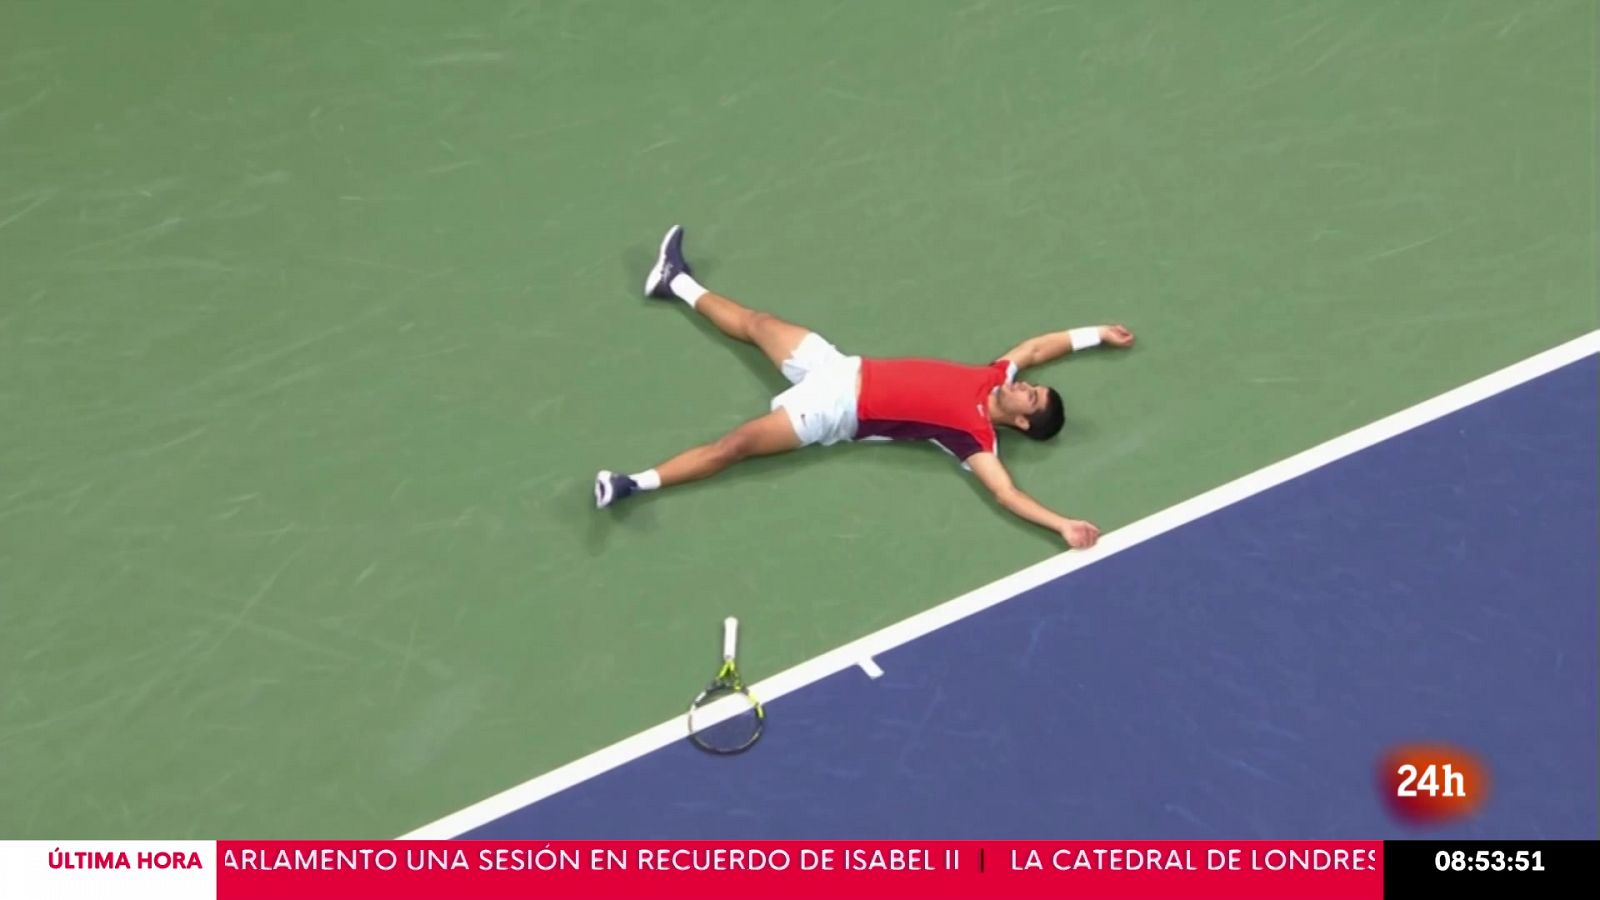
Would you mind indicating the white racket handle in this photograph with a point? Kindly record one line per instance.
(730, 637)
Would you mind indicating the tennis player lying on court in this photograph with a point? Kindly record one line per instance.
(853, 398)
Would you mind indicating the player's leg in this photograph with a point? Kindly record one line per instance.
(672, 278)
(769, 434)
(777, 338)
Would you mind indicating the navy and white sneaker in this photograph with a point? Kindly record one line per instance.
(609, 487)
(669, 264)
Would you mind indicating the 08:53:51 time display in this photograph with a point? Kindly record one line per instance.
(1489, 861)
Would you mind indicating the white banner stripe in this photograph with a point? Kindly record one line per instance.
(95, 870)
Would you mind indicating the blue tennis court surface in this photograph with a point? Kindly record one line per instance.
(1237, 677)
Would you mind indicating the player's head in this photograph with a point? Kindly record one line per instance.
(1033, 409)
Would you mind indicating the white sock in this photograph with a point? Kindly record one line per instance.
(649, 481)
(687, 289)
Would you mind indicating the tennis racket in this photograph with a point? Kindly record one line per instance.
(726, 718)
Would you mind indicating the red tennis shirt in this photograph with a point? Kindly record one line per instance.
(930, 400)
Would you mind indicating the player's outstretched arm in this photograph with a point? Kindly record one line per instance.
(1056, 344)
(993, 474)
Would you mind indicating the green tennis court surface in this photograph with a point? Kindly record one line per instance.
(318, 319)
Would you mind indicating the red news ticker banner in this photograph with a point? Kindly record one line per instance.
(773, 870)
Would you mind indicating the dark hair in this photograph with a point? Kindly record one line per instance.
(1046, 423)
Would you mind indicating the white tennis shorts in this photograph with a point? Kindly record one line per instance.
(822, 403)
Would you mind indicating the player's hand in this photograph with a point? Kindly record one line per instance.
(1079, 535)
(1116, 336)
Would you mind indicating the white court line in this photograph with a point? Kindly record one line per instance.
(871, 667)
(1111, 543)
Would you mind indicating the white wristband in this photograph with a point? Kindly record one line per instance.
(1084, 338)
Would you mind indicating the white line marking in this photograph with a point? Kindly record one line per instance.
(922, 623)
(869, 666)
